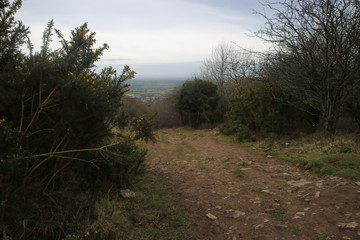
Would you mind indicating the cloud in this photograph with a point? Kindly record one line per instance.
(143, 31)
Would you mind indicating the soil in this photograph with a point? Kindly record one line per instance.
(230, 193)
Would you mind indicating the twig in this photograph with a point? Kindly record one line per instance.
(52, 154)
(39, 109)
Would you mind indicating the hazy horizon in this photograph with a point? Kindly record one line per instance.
(159, 38)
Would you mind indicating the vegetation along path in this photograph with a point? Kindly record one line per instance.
(229, 193)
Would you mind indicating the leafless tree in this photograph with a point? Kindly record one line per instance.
(228, 65)
(216, 67)
(316, 52)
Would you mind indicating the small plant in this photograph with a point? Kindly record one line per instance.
(143, 129)
(296, 230)
(238, 173)
(231, 207)
(278, 214)
(257, 190)
(180, 220)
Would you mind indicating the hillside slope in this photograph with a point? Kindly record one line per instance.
(230, 193)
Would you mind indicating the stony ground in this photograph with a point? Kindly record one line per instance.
(230, 193)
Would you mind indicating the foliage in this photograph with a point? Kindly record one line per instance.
(12, 35)
(228, 65)
(258, 110)
(143, 129)
(243, 132)
(316, 53)
(197, 102)
(56, 115)
(238, 173)
(230, 126)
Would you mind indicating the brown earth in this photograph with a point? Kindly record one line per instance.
(251, 196)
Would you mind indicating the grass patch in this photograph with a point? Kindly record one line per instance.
(347, 166)
(339, 156)
(163, 138)
(152, 214)
(188, 146)
(238, 173)
(227, 139)
(257, 190)
(204, 168)
(179, 151)
(232, 207)
(278, 214)
(296, 230)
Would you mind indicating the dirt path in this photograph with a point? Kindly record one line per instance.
(232, 194)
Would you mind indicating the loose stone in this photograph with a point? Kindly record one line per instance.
(238, 214)
(350, 225)
(211, 216)
(127, 193)
(259, 226)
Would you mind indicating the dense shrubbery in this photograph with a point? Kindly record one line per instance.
(258, 110)
(197, 102)
(57, 116)
(313, 62)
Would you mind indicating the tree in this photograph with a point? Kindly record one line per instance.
(316, 53)
(216, 68)
(197, 102)
(227, 65)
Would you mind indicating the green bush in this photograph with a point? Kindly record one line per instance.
(259, 107)
(242, 132)
(143, 129)
(197, 102)
(230, 127)
(57, 116)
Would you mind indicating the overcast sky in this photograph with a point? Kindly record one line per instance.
(157, 38)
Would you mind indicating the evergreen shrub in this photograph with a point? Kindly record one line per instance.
(57, 121)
